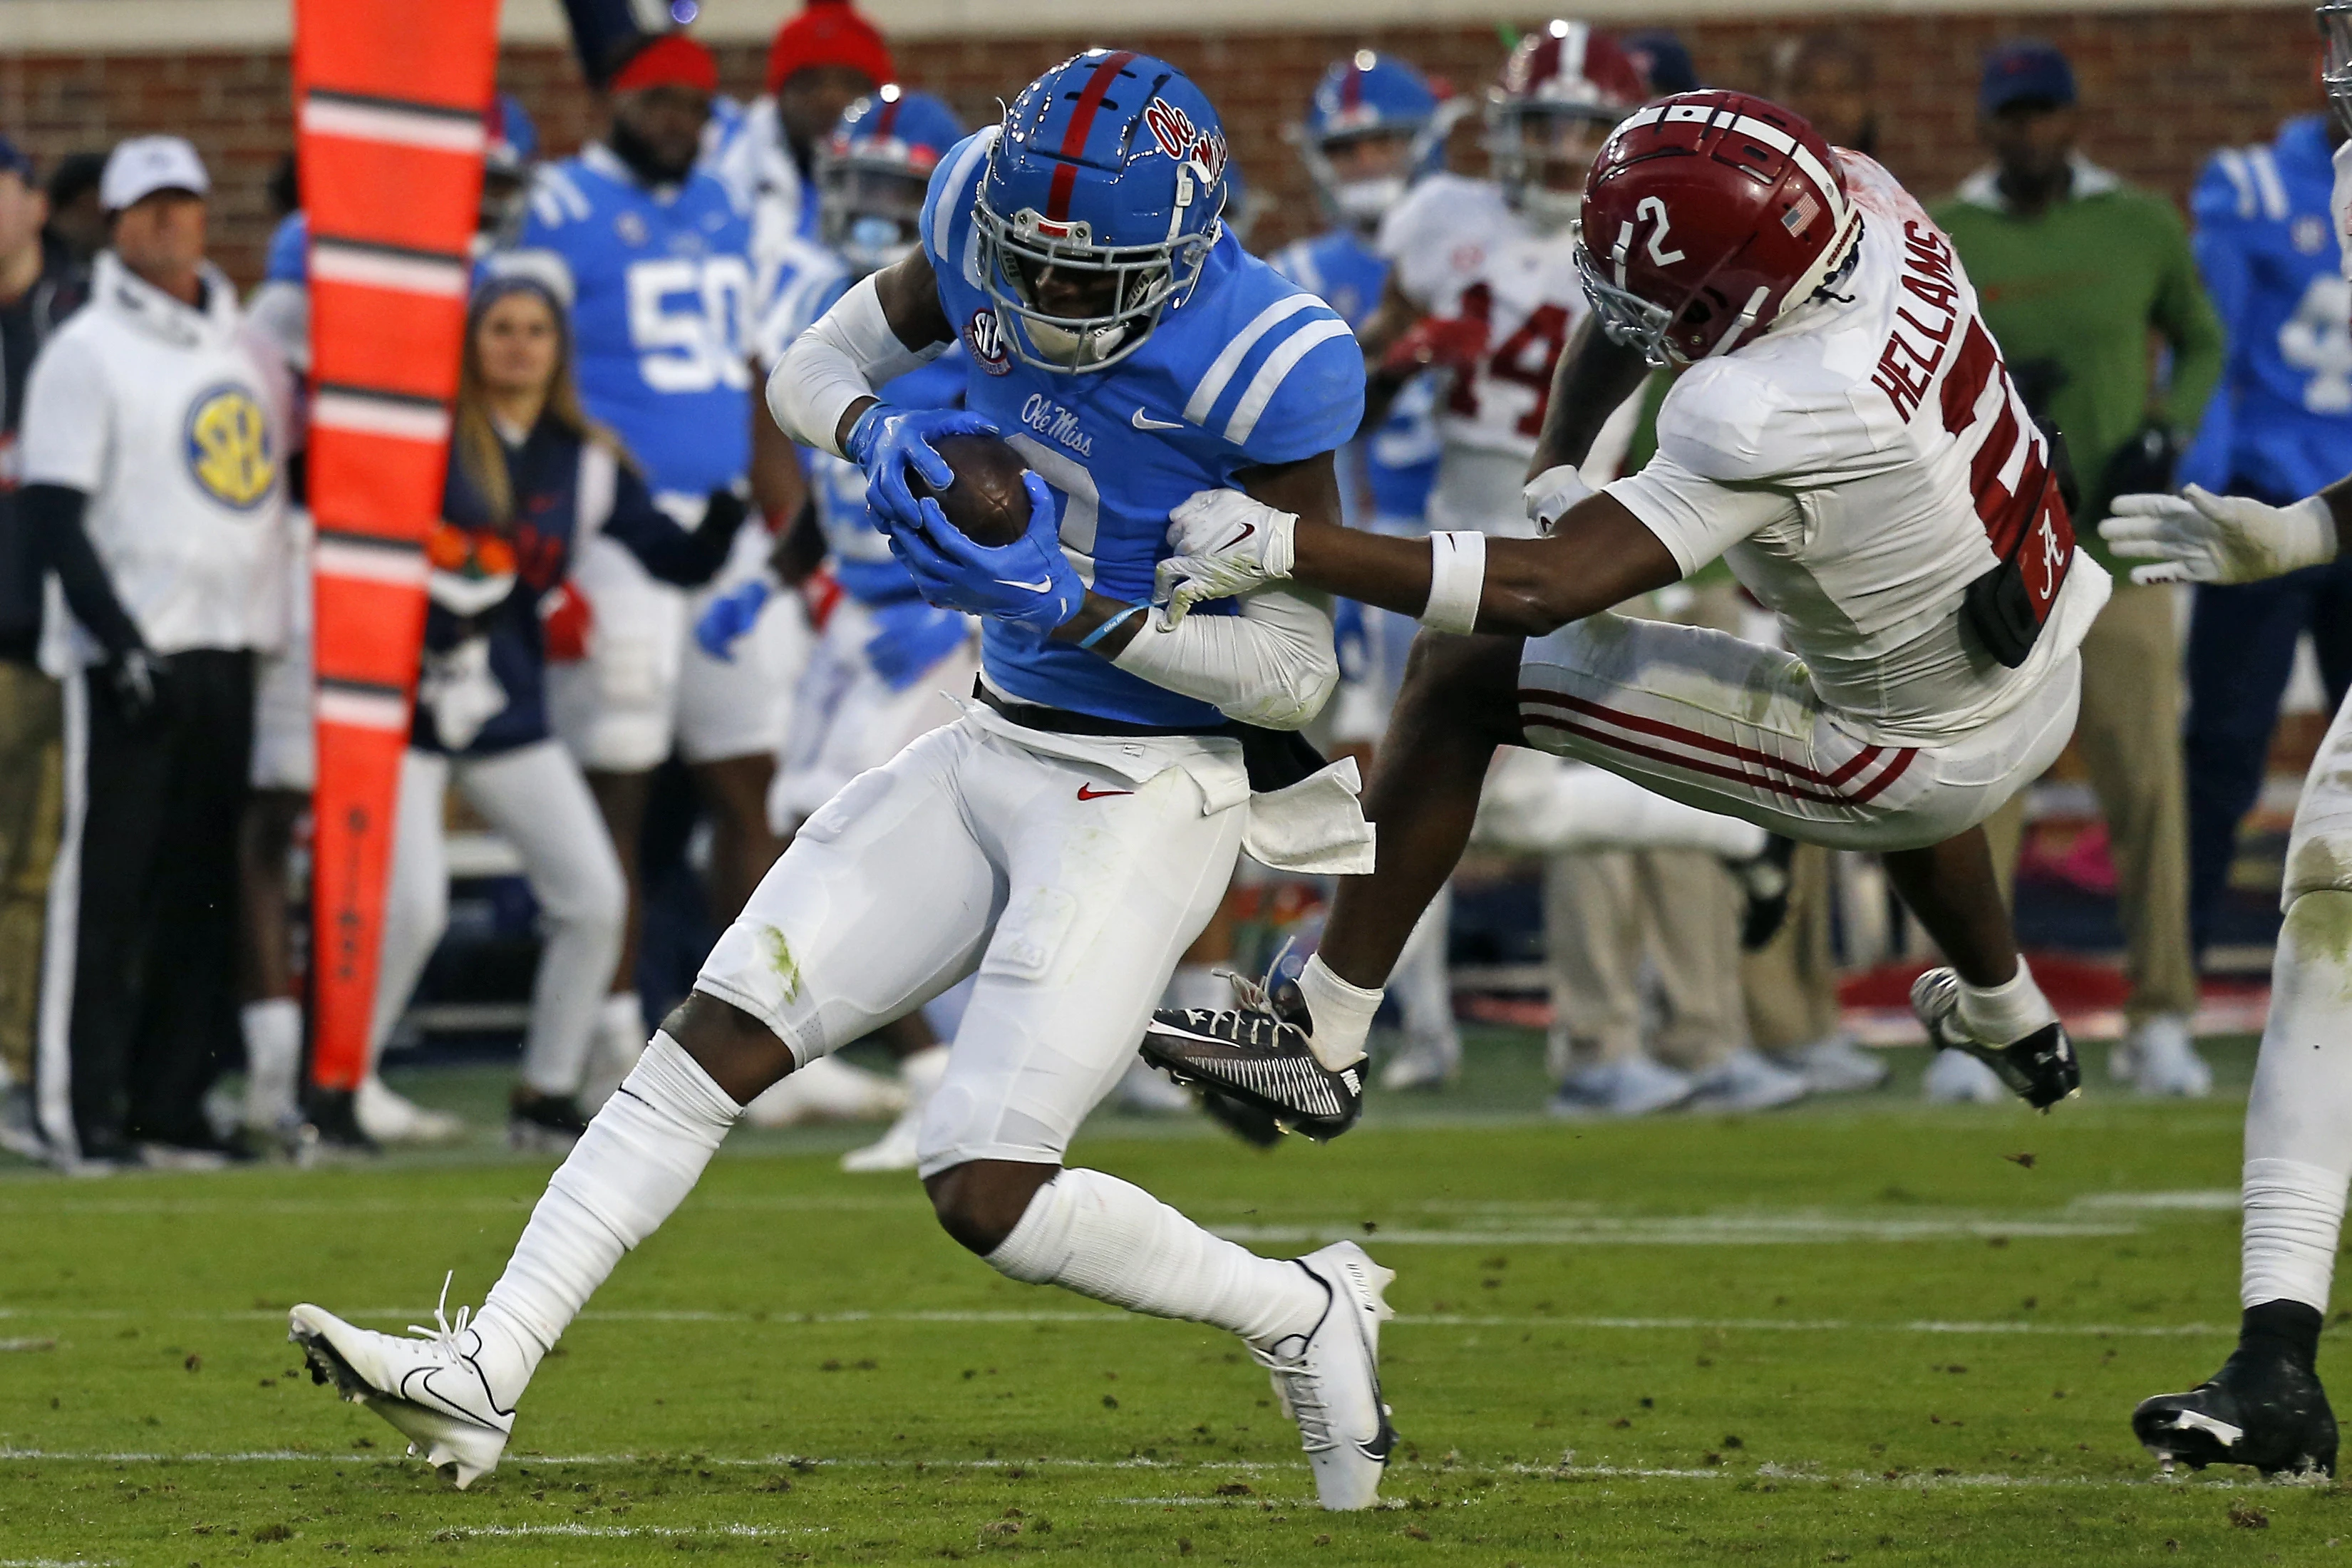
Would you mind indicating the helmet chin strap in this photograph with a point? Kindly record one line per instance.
(1741, 324)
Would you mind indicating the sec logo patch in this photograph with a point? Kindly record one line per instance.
(985, 337)
(228, 446)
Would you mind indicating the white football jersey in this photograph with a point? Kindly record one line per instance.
(1459, 250)
(1854, 464)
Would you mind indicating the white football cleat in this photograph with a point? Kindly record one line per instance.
(431, 1387)
(1956, 1078)
(1836, 1064)
(896, 1150)
(827, 1089)
(391, 1118)
(1629, 1086)
(2164, 1060)
(1423, 1061)
(1328, 1379)
(1746, 1079)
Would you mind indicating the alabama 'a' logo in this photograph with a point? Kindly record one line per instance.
(983, 336)
(228, 446)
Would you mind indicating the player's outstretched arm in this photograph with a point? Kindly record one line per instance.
(2199, 537)
(1598, 556)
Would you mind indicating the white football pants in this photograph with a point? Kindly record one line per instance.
(1070, 886)
(847, 718)
(535, 799)
(1731, 726)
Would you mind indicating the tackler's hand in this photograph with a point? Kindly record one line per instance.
(1225, 543)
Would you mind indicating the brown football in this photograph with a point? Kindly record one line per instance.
(986, 502)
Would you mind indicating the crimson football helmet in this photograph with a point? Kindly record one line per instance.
(1706, 217)
(1559, 93)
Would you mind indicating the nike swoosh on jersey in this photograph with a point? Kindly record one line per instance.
(1143, 421)
(1039, 587)
(1088, 792)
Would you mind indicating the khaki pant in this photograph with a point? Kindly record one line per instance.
(32, 805)
(1791, 980)
(1603, 914)
(2128, 736)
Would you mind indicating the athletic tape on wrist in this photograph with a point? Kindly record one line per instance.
(1110, 626)
(1458, 578)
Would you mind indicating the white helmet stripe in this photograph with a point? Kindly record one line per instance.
(1833, 195)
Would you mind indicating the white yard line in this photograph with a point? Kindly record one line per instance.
(1403, 1471)
(1085, 1316)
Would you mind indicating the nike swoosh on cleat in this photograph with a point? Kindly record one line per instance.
(1037, 587)
(1143, 421)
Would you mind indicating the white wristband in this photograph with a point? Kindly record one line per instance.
(1457, 580)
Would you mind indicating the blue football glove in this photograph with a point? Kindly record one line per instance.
(729, 616)
(1028, 584)
(910, 637)
(887, 441)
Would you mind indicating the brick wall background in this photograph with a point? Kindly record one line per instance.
(2160, 88)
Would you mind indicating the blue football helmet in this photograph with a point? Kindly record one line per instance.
(1371, 95)
(1101, 203)
(871, 173)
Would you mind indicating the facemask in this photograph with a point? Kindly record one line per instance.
(1365, 201)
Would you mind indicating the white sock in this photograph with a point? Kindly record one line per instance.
(1342, 1014)
(639, 1158)
(2294, 1214)
(1198, 985)
(2299, 1112)
(1106, 1238)
(273, 1058)
(2000, 1015)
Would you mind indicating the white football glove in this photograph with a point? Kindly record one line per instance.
(1550, 493)
(2199, 537)
(1225, 543)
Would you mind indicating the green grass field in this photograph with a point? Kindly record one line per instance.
(1864, 1331)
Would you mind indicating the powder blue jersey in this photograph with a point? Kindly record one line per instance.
(1248, 371)
(2280, 420)
(661, 315)
(1394, 467)
(808, 278)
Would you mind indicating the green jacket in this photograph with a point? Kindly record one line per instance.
(2072, 296)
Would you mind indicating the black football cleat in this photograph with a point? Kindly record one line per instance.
(2263, 1408)
(2040, 1069)
(1253, 1125)
(1259, 1057)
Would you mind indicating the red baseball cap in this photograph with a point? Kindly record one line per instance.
(829, 33)
(671, 61)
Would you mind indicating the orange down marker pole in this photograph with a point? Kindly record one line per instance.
(389, 99)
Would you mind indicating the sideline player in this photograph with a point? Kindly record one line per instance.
(653, 256)
(2266, 1407)
(884, 658)
(1906, 526)
(1374, 129)
(1068, 835)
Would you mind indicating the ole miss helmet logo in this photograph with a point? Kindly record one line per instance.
(986, 340)
(1179, 138)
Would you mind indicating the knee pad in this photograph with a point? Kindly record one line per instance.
(2319, 923)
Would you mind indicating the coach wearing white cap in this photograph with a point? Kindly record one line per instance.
(154, 448)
